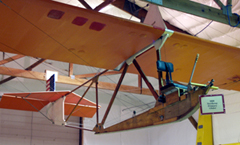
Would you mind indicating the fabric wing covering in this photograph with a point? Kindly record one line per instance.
(39, 25)
(35, 101)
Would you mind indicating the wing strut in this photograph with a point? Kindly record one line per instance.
(94, 80)
(80, 100)
(96, 76)
(145, 79)
(97, 115)
(114, 95)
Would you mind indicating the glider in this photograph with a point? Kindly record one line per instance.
(51, 30)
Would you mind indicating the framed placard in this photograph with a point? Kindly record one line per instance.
(212, 104)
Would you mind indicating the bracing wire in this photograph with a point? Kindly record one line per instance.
(204, 28)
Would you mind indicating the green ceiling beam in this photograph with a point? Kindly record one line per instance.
(186, 6)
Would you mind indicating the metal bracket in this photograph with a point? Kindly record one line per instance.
(169, 32)
(159, 44)
(226, 10)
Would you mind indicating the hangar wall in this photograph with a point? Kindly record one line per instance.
(31, 128)
(226, 128)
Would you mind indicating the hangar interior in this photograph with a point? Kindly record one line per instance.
(18, 74)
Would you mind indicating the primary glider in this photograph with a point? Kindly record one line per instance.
(51, 30)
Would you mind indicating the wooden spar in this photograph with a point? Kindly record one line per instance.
(13, 58)
(103, 4)
(145, 79)
(85, 4)
(68, 80)
(70, 70)
(97, 115)
(193, 121)
(114, 94)
(93, 74)
(99, 7)
(28, 69)
(173, 110)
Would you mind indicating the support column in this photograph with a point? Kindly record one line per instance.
(204, 130)
(80, 131)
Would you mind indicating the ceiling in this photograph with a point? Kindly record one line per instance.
(201, 27)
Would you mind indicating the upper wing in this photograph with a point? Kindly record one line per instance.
(76, 37)
(35, 101)
(50, 30)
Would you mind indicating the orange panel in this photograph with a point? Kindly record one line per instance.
(8, 102)
(74, 98)
(85, 108)
(81, 111)
(52, 96)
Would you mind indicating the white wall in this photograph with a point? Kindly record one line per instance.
(226, 127)
(31, 128)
